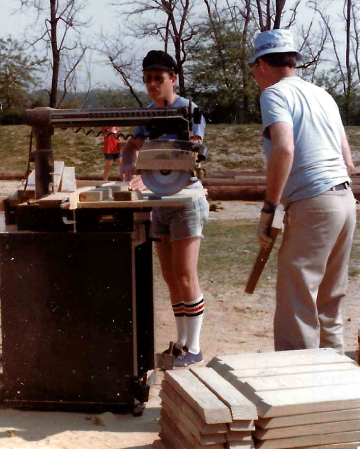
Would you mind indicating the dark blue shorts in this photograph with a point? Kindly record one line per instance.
(112, 156)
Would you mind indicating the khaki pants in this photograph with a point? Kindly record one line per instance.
(313, 271)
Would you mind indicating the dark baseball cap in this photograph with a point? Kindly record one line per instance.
(159, 60)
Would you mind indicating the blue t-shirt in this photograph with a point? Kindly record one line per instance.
(314, 116)
(180, 102)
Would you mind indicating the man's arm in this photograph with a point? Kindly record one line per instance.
(345, 147)
(278, 170)
(129, 157)
(280, 160)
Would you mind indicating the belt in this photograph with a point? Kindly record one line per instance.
(343, 186)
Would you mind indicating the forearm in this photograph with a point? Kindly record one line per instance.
(346, 152)
(130, 152)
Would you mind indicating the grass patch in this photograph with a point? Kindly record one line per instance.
(231, 147)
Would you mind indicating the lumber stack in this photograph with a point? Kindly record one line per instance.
(307, 399)
(201, 410)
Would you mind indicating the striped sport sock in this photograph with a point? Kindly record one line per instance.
(194, 313)
(179, 314)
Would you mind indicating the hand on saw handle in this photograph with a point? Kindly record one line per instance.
(263, 228)
(136, 183)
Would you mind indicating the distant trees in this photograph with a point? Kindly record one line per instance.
(56, 32)
(18, 73)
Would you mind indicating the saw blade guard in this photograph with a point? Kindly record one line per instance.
(167, 165)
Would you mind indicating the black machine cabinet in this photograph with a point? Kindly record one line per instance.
(77, 316)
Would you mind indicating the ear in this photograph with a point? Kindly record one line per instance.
(174, 79)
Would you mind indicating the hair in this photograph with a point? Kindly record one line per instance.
(288, 59)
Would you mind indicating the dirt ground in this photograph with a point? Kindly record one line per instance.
(234, 322)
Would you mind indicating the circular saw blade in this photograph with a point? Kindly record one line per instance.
(165, 182)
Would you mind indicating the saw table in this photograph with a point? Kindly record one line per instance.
(76, 279)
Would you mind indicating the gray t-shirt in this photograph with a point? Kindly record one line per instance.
(314, 116)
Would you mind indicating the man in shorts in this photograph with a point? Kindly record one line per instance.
(111, 149)
(180, 228)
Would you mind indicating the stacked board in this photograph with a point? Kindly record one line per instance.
(307, 399)
(201, 410)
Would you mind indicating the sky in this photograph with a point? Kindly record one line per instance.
(103, 17)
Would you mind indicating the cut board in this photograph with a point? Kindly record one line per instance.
(241, 408)
(199, 397)
(308, 418)
(314, 429)
(301, 442)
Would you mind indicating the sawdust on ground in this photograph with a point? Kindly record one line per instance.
(235, 323)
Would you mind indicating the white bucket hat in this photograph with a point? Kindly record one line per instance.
(273, 41)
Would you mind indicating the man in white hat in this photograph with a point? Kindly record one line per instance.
(308, 168)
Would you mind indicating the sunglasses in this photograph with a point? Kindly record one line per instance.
(147, 79)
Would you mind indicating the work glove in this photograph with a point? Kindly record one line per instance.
(263, 229)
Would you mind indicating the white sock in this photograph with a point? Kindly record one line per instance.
(179, 315)
(194, 313)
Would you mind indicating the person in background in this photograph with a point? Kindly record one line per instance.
(180, 228)
(111, 149)
(308, 168)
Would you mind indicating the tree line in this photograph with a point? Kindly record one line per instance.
(211, 41)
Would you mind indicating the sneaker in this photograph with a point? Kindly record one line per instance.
(188, 359)
(175, 349)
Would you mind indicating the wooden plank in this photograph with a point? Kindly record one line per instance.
(240, 445)
(183, 198)
(307, 400)
(240, 425)
(130, 195)
(53, 200)
(68, 181)
(239, 436)
(264, 253)
(27, 194)
(314, 429)
(172, 397)
(189, 441)
(186, 426)
(241, 408)
(283, 370)
(158, 444)
(199, 397)
(302, 380)
(283, 358)
(308, 418)
(74, 196)
(313, 440)
(170, 439)
(91, 195)
(95, 183)
(354, 445)
(58, 171)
